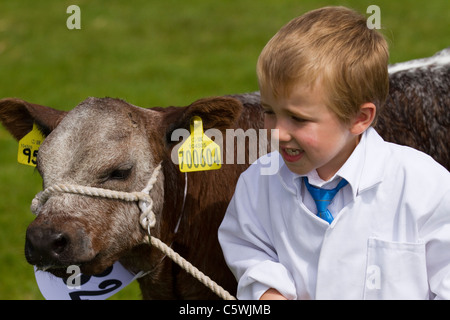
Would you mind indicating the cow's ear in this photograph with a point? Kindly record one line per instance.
(218, 113)
(18, 116)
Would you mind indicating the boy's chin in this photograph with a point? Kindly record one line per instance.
(298, 167)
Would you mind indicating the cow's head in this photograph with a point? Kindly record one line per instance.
(104, 143)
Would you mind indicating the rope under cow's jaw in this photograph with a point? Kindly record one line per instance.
(147, 220)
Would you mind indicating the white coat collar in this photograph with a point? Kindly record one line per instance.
(376, 155)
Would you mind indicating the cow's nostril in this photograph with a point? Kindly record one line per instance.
(59, 243)
(46, 246)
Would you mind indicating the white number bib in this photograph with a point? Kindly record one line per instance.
(82, 287)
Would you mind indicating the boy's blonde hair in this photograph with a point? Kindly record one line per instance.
(334, 47)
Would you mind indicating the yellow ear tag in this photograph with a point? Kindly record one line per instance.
(29, 146)
(199, 152)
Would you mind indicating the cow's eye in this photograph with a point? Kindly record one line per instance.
(120, 174)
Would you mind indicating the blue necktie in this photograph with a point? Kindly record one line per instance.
(323, 197)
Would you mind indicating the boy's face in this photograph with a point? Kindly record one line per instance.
(311, 136)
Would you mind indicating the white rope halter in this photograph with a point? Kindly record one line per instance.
(147, 220)
(147, 217)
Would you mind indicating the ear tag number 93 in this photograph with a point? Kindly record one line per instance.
(29, 146)
(198, 152)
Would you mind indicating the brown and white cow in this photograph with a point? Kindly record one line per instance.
(111, 144)
(108, 143)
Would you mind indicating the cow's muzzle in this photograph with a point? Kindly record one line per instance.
(49, 248)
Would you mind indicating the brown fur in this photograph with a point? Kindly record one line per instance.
(417, 111)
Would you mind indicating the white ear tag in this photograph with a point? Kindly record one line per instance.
(82, 287)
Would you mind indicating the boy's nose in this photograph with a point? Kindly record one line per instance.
(283, 132)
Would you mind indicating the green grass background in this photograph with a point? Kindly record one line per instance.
(150, 53)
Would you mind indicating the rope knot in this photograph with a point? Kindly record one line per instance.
(147, 218)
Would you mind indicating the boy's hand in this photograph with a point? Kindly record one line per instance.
(272, 294)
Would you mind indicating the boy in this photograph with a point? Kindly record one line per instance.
(383, 231)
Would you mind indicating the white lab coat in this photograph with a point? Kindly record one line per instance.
(391, 239)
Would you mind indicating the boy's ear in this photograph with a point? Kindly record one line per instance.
(363, 119)
(18, 116)
(219, 113)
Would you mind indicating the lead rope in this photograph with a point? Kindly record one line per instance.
(147, 220)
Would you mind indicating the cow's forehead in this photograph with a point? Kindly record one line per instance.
(96, 134)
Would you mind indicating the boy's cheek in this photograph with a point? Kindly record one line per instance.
(308, 140)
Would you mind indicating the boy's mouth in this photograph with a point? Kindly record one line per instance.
(291, 154)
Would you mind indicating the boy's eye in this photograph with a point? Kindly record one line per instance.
(297, 119)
